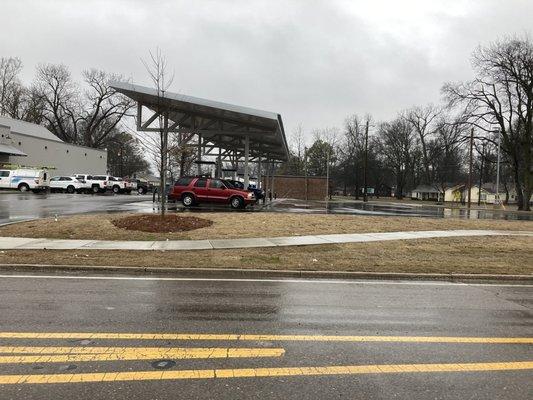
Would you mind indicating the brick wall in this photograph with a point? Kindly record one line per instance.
(294, 187)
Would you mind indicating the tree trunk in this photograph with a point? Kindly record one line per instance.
(518, 186)
(526, 196)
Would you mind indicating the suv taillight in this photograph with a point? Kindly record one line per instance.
(105, 183)
(37, 181)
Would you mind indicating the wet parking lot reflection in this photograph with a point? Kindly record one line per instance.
(24, 206)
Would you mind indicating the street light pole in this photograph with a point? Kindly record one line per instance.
(497, 200)
(365, 161)
(327, 180)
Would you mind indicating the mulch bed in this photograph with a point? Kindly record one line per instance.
(154, 223)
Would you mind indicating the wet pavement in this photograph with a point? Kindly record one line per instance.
(343, 323)
(21, 206)
(399, 209)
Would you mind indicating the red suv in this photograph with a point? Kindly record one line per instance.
(195, 190)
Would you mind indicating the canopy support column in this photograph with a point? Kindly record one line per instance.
(246, 161)
(199, 155)
(259, 184)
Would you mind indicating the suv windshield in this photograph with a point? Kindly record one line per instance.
(183, 181)
(228, 184)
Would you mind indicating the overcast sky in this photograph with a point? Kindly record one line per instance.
(314, 62)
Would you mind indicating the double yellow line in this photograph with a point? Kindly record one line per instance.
(259, 337)
(44, 354)
(261, 372)
(22, 355)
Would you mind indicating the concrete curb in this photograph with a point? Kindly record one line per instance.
(19, 221)
(266, 273)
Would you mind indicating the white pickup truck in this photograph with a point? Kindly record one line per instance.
(96, 183)
(24, 179)
(100, 183)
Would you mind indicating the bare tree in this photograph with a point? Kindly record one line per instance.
(423, 119)
(298, 141)
(9, 83)
(157, 70)
(295, 165)
(352, 150)
(397, 145)
(104, 108)
(445, 151)
(501, 96)
(61, 102)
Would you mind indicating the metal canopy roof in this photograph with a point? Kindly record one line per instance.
(11, 150)
(223, 125)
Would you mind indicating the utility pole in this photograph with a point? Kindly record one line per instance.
(305, 174)
(365, 161)
(327, 180)
(481, 172)
(470, 168)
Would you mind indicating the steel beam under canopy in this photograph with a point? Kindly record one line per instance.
(226, 126)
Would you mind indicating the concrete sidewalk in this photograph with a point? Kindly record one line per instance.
(17, 243)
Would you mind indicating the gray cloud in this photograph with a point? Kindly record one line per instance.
(315, 62)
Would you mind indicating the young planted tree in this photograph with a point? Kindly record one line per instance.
(157, 70)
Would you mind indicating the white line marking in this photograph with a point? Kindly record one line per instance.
(319, 281)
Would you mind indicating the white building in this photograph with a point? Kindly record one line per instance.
(28, 144)
(425, 192)
(459, 194)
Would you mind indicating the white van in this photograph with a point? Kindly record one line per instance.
(24, 179)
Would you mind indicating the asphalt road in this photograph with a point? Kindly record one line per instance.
(384, 334)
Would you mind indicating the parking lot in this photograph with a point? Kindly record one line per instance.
(23, 206)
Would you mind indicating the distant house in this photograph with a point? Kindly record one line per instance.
(454, 194)
(459, 194)
(426, 192)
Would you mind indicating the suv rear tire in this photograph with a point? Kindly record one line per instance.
(140, 190)
(23, 187)
(236, 202)
(187, 200)
(116, 189)
(95, 189)
(71, 189)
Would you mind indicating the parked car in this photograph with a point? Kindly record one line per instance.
(69, 184)
(259, 193)
(196, 190)
(130, 185)
(117, 185)
(24, 179)
(141, 185)
(96, 183)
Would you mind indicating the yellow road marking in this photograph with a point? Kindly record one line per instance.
(143, 354)
(255, 337)
(138, 350)
(263, 372)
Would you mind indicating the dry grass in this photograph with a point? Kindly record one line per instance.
(235, 225)
(499, 255)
